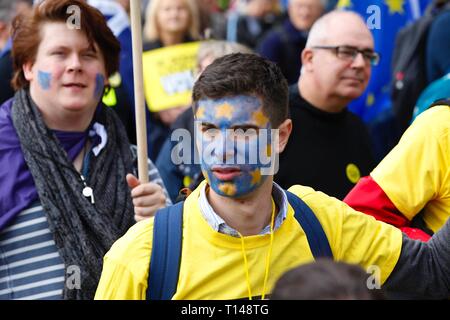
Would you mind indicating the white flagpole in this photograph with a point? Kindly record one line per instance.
(139, 102)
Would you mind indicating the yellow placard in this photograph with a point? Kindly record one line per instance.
(169, 75)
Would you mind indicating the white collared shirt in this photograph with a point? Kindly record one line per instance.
(219, 225)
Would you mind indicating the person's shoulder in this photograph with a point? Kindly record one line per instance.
(272, 37)
(436, 112)
(135, 245)
(5, 112)
(436, 119)
(305, 192)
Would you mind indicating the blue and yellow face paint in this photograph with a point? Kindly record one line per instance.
(233, 136)
(44, 79)
(99, 85)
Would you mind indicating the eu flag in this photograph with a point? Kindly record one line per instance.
(384, 18)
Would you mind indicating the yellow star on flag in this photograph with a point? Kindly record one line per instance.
(228, 188)
(395, 6)
(224, 111)
(370, 100)
(344, 4)
(256, 176)
(259, 118)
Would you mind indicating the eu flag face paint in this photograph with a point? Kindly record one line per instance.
(44, 79)
(233, 136)
(99, 85)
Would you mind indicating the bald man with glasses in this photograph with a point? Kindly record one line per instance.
(330, 148)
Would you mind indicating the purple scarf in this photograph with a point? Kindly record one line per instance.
(17, 189)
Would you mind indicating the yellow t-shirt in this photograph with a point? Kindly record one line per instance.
(212, 264)
(416, 173)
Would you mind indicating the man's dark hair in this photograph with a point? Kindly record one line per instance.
(325, 279)
(245, 74)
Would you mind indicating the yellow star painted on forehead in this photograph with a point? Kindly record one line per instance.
(395, 6)
(260, 118)
(228, 188)
(256, 176)
(225, 111)
(200, 112)
(343, 4)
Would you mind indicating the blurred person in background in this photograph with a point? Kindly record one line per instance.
(168, 22)
(284, 44)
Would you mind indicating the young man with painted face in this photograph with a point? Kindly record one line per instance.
(239, 234)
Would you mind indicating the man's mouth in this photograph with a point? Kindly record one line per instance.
(226, 173)
(356, 79)
(74, 85)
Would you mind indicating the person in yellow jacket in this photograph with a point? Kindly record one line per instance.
(410, 187)
(239, 234)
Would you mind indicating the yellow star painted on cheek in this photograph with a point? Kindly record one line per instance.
(228, 188)
(259, 118)
(256, 176)
(224, 111)
(395, 6)
(200, 112)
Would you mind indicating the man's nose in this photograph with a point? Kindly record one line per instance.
(74, 63)
(225, 146)
(359, 61)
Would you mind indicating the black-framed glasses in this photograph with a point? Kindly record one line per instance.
(349, 53)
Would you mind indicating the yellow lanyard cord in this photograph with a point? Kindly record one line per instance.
(247, 277)
(266, 273)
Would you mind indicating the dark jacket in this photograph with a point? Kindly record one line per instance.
(284, 45)
(6, 74)
(324, 149)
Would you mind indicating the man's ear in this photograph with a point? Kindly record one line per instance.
(27, 71)
(284, 131)
(307, 56)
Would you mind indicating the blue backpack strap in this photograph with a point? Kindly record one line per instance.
(317, 238)
(166, 253)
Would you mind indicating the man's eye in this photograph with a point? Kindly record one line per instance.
(244, 133)
(205, 127)
(347, 52)
(209, 132)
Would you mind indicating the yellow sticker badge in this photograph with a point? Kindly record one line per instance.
(353, 173)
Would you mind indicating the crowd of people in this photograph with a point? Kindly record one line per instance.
(282, 196)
